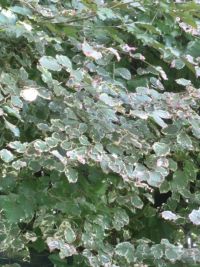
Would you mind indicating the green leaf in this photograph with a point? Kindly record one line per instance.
(14, 212)
(124, 73)
(51, 142)
(66, 250)
(45, 94)
(173, 253)
(34, 165)
(161, 149)
(18, 146)
(172, 165)
(69, 235)
(71, 174)
(121, 218)
(180, 180)
(178, 64)
(64, 61)
(57, 261)
(125, 249)
(183, 82)
(155, 179)
(16, 101)
(105, 13)
(195, 123)
(14, 129)
(157, 251)
(12, 111)
(159, 115)
(18, 164)
(184, 140)
(193, 48)
(137, 202)
(50, 63)
(21, 10)
(41, 146)
(107, 99)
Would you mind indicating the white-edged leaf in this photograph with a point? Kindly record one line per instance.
(125, 249)
(64, 61)
(13, 128)
(140, 114)
(161, 149)
(155, 179)
(177, 64)
(183, 82)
(6, 155)
(159, 115)
(50, 63)
(41, 146)
(184, 140)
(72, 175)
(44, 93)
(69, 235)
(173, 253)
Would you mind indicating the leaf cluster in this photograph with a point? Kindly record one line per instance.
(100, 130)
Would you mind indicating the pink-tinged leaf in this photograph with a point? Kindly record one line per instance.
(163, 162)
(53, 244)
(114, 51)
(127, 48)
(89, 51)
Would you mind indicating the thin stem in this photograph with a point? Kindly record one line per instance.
(80, 19)
(118, 5)
(114, 71)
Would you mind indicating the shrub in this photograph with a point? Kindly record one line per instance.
(100, 131)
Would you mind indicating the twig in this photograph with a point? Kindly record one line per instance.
(118, 5)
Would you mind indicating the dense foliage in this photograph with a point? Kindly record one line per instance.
(100, 131)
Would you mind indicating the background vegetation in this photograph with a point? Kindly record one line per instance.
(100, 130)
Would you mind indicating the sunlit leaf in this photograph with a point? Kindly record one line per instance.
(13, 128)
(50, 63)
(64, 61)
(6, 155)
(168, 215)
(29, 94)
(194, 217)
(89, 51)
